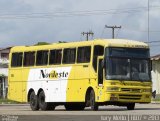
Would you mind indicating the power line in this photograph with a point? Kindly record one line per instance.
(154, 45)
(86, 11)
(71, 13)
(102, 32)
(118, 32)
(138, 30)
(150, 42)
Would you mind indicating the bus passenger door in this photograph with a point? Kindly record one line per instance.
(100, 79)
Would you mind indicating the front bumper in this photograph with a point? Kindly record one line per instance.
(128, 97)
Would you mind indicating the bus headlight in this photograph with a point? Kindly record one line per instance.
(112, 89)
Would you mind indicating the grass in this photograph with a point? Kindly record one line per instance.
(7, 101)
(156, 99)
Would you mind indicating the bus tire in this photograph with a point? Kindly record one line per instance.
(33, 100)
(93, 104)
(42, 104)
(131, 106)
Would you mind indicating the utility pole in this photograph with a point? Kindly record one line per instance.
(148, 20)
(87, 34)
(113, 27)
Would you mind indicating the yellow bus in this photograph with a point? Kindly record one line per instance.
(81, 74)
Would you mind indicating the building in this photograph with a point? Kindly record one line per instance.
(156, 73)
(4, 61)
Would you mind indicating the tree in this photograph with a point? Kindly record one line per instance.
(42, 43)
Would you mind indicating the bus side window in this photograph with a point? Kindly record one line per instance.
(84, 54)
(42, 58)
(55, 57)
(98, 51)
(16, 59)
(29, 59)
(69, 55)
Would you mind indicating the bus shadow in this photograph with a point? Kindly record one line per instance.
(103, 109)
(111, 109)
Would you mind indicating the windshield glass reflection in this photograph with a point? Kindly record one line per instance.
(127, 69)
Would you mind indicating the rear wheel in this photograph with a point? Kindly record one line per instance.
(131, 106)
(33, 101)
(93, 104)
(44, 105)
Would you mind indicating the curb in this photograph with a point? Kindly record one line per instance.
(155, 102)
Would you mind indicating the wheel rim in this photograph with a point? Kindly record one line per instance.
(32, 100)
(92, 100)
(42, 99)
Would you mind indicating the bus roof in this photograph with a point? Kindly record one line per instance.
(104, 42)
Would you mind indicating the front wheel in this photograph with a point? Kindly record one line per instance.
(33, 101)
(131, 106)
(93, 104)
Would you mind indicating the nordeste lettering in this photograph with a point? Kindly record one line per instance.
(53, 74)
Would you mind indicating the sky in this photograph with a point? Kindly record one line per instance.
(27, 22)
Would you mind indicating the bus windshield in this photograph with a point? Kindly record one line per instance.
(128, 66)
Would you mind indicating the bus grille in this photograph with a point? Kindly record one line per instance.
(130, 90)
(130, 97)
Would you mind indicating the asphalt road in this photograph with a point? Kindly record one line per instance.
(21, 112)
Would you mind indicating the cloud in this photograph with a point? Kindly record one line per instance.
(25, 23)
